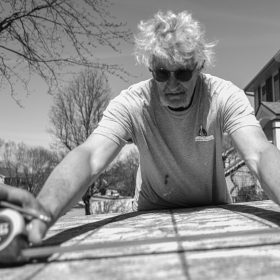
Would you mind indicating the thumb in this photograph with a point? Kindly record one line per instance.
(36, 231)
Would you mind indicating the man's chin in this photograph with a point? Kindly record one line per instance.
(176, 105)
(172, 105)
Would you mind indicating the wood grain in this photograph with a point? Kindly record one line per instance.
(237, 241)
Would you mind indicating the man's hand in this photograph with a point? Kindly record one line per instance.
(36, 228)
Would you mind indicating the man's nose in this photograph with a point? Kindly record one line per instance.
(172, 82)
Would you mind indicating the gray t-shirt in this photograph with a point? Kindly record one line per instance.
(180, 152)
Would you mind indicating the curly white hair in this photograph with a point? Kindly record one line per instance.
(176, 38)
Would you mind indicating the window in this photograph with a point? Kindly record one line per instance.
(263, 98)
(276, 87)
(268, 89)
(257, 98)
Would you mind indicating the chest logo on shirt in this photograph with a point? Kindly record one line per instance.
(202, 135)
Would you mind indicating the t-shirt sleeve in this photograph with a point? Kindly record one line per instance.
(116, 122)
(236, 110)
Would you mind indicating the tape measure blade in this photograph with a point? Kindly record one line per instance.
(39, 252)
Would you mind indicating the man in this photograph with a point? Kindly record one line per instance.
(177, 120)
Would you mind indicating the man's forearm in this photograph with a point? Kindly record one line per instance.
(268, 172)
(67, 183)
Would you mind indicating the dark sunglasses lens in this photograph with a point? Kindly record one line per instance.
(161, 75)
(183, 75)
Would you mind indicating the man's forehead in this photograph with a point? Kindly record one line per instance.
(164, 63)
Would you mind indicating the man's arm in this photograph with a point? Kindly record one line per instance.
(71, 178)
(262, 158)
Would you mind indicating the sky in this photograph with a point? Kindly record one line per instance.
(248, 35)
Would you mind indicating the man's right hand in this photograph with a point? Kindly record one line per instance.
(36, 229)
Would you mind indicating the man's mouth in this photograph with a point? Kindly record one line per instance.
(175, 94)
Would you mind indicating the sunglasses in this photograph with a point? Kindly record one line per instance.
(182, 75)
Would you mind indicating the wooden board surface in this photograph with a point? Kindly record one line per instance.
(237, 241)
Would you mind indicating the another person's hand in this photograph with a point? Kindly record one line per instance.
(36, 228)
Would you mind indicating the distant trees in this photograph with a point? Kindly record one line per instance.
(78, 108)
(122, 174)
(76, 111)
(28, 167)
(13, 155)
(47, 37)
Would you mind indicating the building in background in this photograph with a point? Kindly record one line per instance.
(263, 92)
(265, 87)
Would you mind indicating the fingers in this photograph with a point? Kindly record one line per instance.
(36, 229)
(4, 192)
(15, 195)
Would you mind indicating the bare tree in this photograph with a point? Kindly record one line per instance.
(43, 37)
(77, 110)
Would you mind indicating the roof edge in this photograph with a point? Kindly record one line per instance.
(275, 58)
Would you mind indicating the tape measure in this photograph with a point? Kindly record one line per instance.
(13, 236)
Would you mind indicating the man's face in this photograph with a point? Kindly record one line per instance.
(173, 92)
